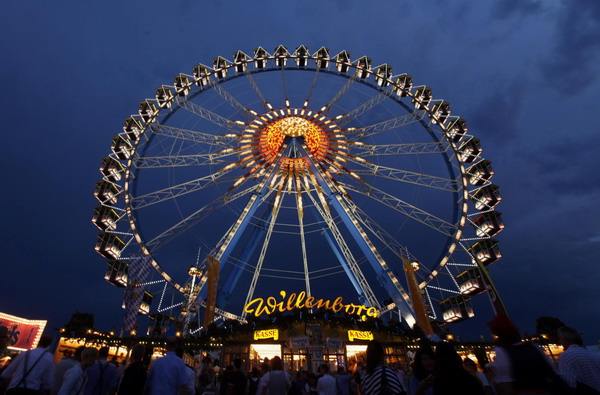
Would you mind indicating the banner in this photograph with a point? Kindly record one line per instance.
(138, 271)
(22, 334)
(360, 335)
(333, 343)
(299, 342)
(266, 334)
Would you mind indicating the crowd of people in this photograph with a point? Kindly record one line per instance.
(518, 368)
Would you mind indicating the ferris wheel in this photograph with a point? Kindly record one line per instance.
(296, 172)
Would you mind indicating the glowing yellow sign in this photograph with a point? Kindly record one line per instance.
(267, 334)
(259, 306)
(360, 335)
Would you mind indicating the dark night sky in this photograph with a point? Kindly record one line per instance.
(523, 73)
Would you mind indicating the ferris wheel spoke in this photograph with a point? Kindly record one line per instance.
(340, 93)
(410, 177)
(256, 89)
(174, 191)
(193, 219)
(151, 162)
(209, 115)
(364, 107)
(313, 85)
(191, 135)
(284, 84)
(349, 264)
(354, 134)
(400, 149)
(232, 101)
(379, 232)
(300, 211)
(405, 208)
(261, 258)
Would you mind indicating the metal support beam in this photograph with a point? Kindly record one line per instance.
(344, 255)
(260, 194)
(256, 236)
(386, 276)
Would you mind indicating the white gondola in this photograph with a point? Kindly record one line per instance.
(486, 197)
(363, 67)
(422, 98)
(148, 111)
(240, 60)
(220, 67)
(382, 75)
(116, 273)
(489, 224)
(301, 55)
(260, 58)
(342, 61)
(144, 308)
(480, 173)
(470, 150)
(146, 302)
(105, 218)
(106, 192)
(182, 85)
(121, 147)
(470, 282)
(112, 169)
(404, 84)
(109, 245)
(322, 58)
(457, 308)
(440, 112)
(486, 251)
(201, 75)
(456, 129)
(133, 128)
(281, 54)
(164, 96)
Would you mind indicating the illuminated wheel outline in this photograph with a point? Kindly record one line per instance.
(433, 115)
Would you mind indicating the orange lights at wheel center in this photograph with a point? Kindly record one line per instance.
(296, 126)
(273, 134)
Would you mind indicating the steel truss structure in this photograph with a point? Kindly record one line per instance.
(228, 159)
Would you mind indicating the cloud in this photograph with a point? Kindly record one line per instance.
(573, 63)
(499, 113)
(568, 166)
(505, 9)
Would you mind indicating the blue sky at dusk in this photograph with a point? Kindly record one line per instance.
(523, 73)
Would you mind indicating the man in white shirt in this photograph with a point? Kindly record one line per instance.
(33, 369)
(75, 379)
(577, 365)
(326, 384)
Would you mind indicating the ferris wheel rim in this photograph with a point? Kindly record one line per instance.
(462, 176)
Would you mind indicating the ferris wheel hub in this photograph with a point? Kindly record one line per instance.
(277, 125)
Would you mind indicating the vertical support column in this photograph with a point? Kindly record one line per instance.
(212, 266)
